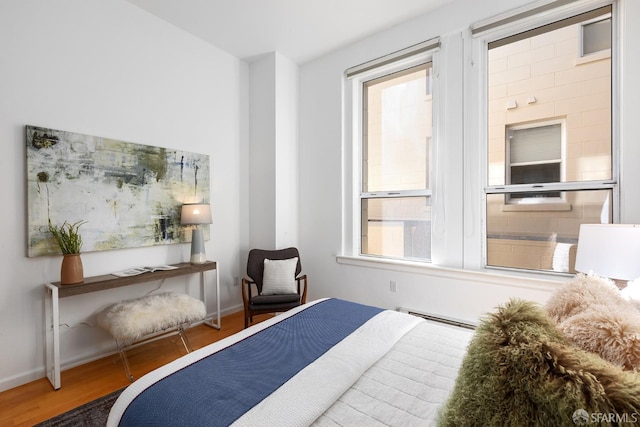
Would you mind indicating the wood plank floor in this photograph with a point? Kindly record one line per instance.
(37, 401)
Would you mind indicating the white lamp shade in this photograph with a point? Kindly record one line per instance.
(609, 250)
(195, 213)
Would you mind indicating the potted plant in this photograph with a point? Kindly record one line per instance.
(70, 242)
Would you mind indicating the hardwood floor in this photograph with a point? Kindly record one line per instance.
(37, 401)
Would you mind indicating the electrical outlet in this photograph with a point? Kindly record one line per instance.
(392, 286)
(236, 281)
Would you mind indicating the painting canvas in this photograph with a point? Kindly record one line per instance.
(130, 195)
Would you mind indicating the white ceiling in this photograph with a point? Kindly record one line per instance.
(301, 30)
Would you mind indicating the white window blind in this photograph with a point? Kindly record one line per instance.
(426, 46)
(537, 144)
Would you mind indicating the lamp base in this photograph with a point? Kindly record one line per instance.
(198, 255)
(198, 258)
(621, 284)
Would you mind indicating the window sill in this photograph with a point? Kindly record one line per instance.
(530, 280)
(596, 56)
(537, 207)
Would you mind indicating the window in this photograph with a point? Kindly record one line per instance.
(550, 163)
(534, 156)
(596, 36)
(395, 195)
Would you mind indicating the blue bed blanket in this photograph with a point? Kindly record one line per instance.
(220, 387)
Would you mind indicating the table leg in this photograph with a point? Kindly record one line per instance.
(209, 321)
(52, 335)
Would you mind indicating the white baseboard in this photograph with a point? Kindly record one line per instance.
(38, 373)
(21, 379)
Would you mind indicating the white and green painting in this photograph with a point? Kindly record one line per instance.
(130, 195)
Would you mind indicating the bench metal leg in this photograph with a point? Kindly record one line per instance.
(125, 361)
(184, 338)
(122, 346)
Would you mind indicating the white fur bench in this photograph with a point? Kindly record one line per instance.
(133, 320)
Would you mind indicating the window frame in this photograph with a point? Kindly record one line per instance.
(460, 166)
(597, 52)
(357, 98)
(562, 162)
(485, 34)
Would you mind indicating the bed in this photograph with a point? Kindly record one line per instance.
(329, 362)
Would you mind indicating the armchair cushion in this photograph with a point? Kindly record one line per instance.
(281, 302)
(279, 276)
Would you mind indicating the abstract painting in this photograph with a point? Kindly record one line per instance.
(130, 195)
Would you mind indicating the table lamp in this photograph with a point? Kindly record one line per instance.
(196, 214)
(609, 250)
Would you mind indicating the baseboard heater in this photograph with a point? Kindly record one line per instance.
(438, 318)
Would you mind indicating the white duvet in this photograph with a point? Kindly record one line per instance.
(408, 385)
(394, 370)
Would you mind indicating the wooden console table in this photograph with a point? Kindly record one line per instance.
(54, 291)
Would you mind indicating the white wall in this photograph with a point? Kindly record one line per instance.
(325, 177)
(262, 153)
(629, 124)
(273, 152)
(108, 68)
(286, 163)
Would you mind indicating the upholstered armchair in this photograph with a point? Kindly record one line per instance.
(274, 283)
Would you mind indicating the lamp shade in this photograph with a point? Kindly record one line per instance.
(609, 250)
(195, 213)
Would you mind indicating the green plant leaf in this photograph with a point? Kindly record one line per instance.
(68, 236)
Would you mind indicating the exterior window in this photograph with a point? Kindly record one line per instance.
(550, 166)
(596, 36)
(534, 156)
(395, 196)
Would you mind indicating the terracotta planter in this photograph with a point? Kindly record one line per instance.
(71, 272)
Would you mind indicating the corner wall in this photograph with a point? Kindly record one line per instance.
(108, 68)
(273, 154)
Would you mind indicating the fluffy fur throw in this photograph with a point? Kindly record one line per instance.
(131, 320)
(594, 315)
(519, 370)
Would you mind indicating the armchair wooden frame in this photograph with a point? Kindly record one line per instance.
(254, 302)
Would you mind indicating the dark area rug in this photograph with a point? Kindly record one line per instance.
(94, 413)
